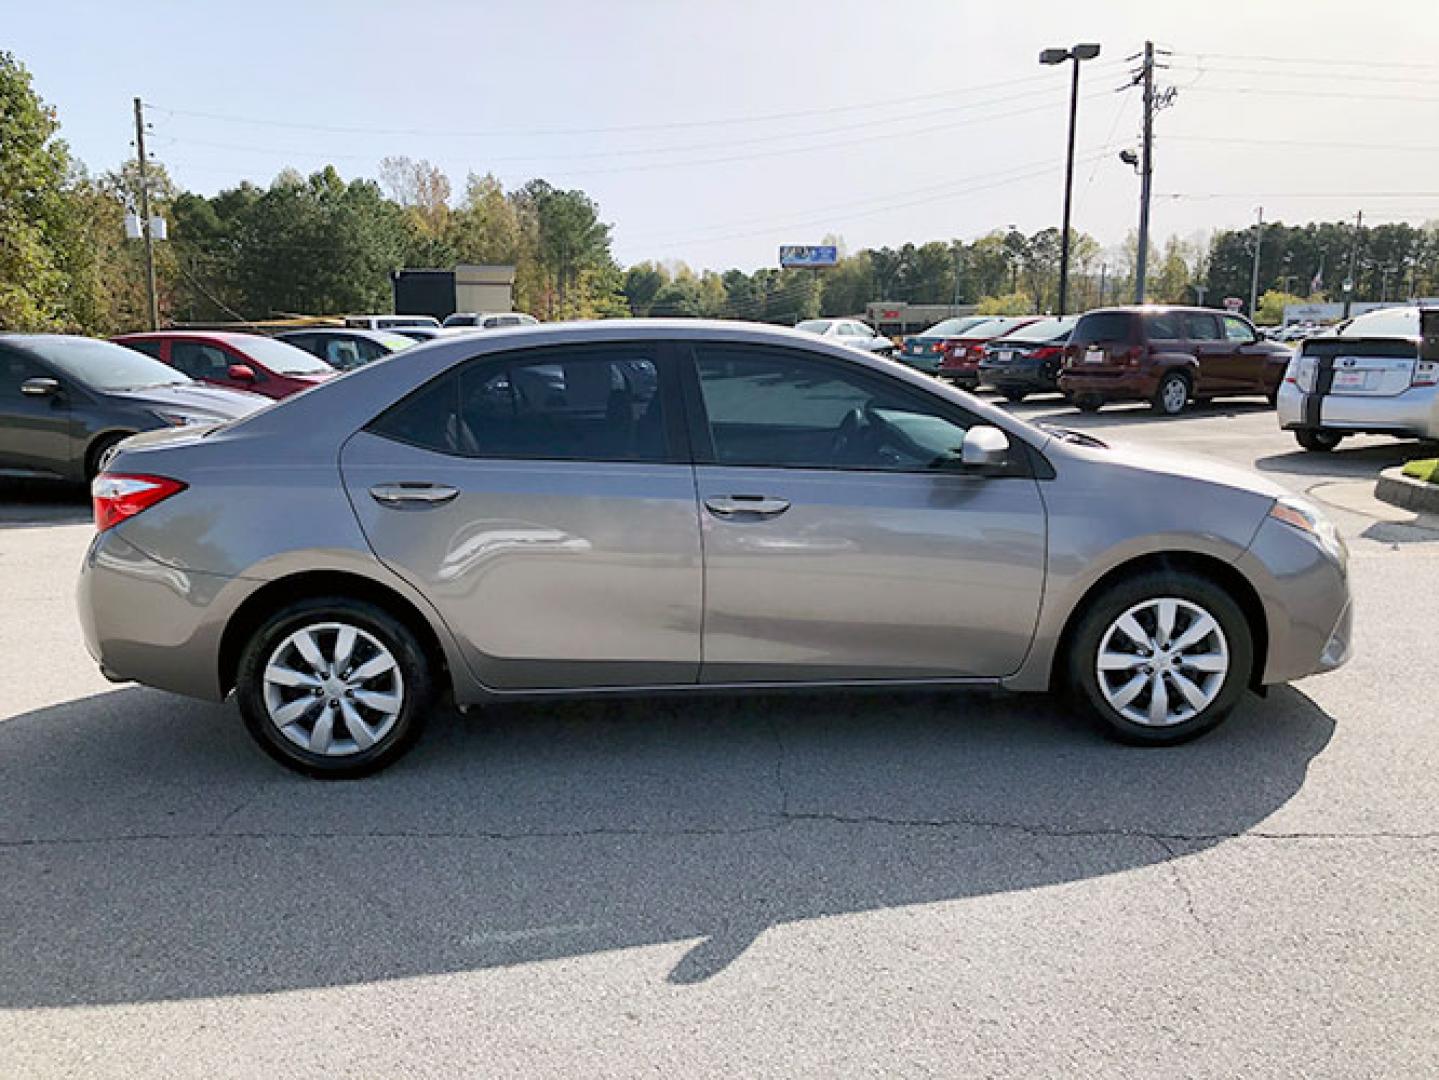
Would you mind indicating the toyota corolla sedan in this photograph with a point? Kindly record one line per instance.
(631, 507)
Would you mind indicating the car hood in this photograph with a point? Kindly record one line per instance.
(1183, 466)
(214, 402)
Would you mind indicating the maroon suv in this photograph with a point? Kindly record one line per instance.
(1167, 356)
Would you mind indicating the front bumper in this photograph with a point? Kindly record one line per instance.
(1305, 595)
(1414, 413)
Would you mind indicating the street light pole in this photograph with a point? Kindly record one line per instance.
(1058, 56)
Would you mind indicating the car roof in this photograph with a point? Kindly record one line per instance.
(344, 331)
(1159, 309)
(229, 337)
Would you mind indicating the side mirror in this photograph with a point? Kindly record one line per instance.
(40, 387)
(985, 447)
(241, 373)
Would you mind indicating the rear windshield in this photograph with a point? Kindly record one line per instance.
(1103, 326)
(989, 330)
(1044, 330)
(951, 327)
(1388, 322)
(813, 326)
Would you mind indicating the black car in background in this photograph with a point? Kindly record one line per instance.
(1027, 361)
(347, 349)
(65, 402)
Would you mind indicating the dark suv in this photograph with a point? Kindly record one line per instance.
(1168, 356)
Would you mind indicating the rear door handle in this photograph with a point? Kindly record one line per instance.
(736, 505)
(407, 493)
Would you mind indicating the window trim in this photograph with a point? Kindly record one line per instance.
(676, 451)
(1021, 462)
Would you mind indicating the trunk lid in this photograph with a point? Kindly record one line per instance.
(1366, 367)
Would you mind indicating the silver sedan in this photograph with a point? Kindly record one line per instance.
(631, 507)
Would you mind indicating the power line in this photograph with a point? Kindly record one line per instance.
(1383, 62)
(1274, 91)
(1319, 144)
(610, 130)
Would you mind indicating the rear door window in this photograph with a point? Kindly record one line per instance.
(149, 348)
(571, 405)
(1237, 330)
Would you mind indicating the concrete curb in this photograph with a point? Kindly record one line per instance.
(1404, 491)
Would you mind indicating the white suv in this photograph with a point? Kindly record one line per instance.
(483, 320)
(1365, 376)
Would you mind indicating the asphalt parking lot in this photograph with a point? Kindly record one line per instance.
(817, 886)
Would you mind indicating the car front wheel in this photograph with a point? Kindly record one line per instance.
(1161, 658)
(334, 688)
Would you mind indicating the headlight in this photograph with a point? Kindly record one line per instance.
(180, 419)
(1305, 516)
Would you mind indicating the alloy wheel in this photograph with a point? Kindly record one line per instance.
(1162, 662)
(333, 689)
(1175, 395)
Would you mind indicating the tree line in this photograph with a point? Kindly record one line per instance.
(321, 244)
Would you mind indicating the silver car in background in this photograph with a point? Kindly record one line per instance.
(1365, 376)
(633, 506)
(851, 332)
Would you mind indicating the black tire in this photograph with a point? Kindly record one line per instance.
(414, 666)
(100, 450)
(1084, 645)
(1318, 440)
(1015, 396)
(1167, 400)
(1088, 403)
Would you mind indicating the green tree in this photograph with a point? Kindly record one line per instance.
(36, 222)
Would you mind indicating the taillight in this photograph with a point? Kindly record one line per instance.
(1426, 373)
(117, 496)
(1047, 352)
(1303, 372)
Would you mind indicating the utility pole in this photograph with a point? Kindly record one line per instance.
(1254, 275)
(1103, 281)
(1353, 261)
(145, 216)
(1146, 173)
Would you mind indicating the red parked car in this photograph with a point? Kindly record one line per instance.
(239, 361)
(960, 357)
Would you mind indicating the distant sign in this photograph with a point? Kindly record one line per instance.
(1233, 303)
(800, 255)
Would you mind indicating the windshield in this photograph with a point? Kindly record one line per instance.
(1389, 322)
(950, 327)
(814, 326)
(396, 342)
(282, 357)
(103, 366)
(1044, 330)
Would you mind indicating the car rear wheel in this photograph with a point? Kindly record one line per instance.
(1318, 440)
(1172, 395)
(1161, 658)
(334, 688)
(1088, 403)
(1016, 396)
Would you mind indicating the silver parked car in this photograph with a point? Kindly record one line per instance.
(851, 332)
(633, 506)
(1366, 375)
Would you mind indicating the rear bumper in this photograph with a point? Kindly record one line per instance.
(147, 622)
(1031, 377)
(1113, 385)
(1415, 412)
(927, 363)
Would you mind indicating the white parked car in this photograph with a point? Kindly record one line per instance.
(490, 320)
(1364, 376)
(389, 322)
(850, 332)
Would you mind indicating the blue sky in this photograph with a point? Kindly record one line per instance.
(712, 132)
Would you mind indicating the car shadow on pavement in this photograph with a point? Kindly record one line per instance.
(28, 503)
(1363, 462)
(150, 853)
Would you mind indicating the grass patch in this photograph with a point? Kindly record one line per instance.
(1426, 470)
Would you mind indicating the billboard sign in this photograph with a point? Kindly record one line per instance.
(793, 256)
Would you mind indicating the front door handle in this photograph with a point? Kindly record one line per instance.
(740, 505)
(407, 493)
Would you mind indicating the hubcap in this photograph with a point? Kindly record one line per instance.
(1175, 394)
(333, 689)
(1162, 662)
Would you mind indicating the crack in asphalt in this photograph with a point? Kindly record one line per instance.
(777, 821)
